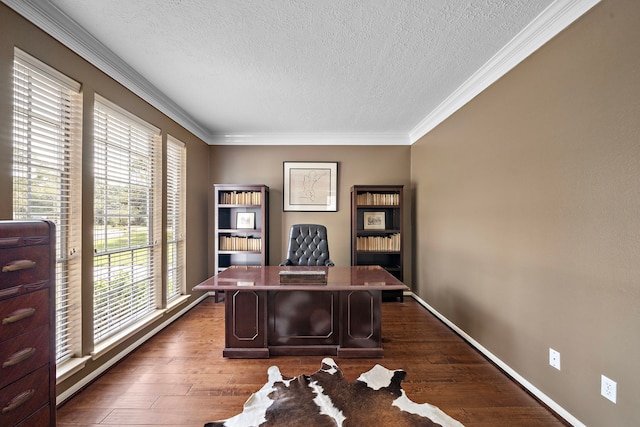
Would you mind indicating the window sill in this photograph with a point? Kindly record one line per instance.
(173, 304)
(70, 367)
(112, 342)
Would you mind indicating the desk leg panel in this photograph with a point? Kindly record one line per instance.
(245, 323)
(360, 323)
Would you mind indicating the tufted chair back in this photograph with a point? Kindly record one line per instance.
(308, 246)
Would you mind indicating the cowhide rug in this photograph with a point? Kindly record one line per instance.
(325, 398)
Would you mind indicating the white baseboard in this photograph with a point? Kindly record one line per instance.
(62, 397)
(506, 368)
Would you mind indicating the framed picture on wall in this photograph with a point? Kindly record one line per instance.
(310, 186)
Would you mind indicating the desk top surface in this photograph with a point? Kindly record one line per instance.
(268, 278)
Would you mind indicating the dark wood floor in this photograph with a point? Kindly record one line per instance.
(179, 377)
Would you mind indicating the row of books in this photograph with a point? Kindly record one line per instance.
(386, 199)
(235, 243)
(378, 243)
(240, 198)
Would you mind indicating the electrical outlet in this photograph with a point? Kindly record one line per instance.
(608, 388)
(554, 358)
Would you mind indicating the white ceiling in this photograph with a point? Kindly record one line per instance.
(313, 71)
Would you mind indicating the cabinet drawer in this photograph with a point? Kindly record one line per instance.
(24, 397)
(23, 266)
(23, 354)
(21, 233)
(42, 418)
(23, 313)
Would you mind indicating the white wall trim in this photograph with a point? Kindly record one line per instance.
(54, 22)
(312, 139)
(62, 397)
(555, 18)
(86, 380)
(547, 25)
(510, 371)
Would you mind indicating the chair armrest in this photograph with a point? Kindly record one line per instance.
(285, 263)
(329, 263)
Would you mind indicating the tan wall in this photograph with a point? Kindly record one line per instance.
(18, 32)
(356, 165)
(528, 215)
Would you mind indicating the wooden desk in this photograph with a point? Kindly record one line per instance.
(341, 318)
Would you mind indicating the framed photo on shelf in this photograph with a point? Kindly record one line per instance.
(374, 221)
(246, 220)
(310, 186)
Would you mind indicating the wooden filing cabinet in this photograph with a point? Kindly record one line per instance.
(27, 323)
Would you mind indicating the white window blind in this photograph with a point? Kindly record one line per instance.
(176, 157)
(127, 257)
(46, 176)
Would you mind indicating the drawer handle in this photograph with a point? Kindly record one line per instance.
(18, 357)
(19, 400)
(21, 264)
(18, 315)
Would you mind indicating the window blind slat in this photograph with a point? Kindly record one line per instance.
(46, 156)
(176, 154)
(125, 261)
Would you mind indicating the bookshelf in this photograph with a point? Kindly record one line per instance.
(241, 226)
(376, 229)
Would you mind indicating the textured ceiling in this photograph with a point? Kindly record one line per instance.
(305, 67)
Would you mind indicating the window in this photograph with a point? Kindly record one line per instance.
(175, 217)
(46, 176)
(128, 209)
(127, 220)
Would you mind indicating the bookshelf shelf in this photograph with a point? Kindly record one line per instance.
(233, 244)
(376, 228)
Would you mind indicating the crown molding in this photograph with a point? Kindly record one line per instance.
(58, 25)
(312, 139)
(555, 18)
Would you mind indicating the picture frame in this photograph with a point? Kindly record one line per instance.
(246, 220)
(310, 186)
(374, 221)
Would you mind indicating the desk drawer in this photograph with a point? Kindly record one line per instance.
(24, 265)
(23, 354)
(23, 313)
(24, 397)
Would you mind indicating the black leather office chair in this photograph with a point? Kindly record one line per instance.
(308, 246)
